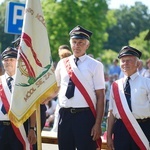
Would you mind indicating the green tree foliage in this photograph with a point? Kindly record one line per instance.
(62, 16)
(117, 26)
(130, 22)
(108, 56)
(143, 46)
(4, 38)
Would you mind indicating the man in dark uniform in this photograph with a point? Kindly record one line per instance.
(129, 107)
(11, 137)
(81, 95)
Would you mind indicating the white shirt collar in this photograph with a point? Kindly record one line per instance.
(81, 58)
(133, 76)
(6, 76)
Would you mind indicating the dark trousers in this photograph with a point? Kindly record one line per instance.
(74, 130)
(8, 139)
(122, 138)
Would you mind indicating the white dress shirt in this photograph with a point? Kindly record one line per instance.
(140, 97)
(92, 71)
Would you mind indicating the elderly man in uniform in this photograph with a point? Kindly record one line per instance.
(80, 79)
(129, 111)
(11, 137)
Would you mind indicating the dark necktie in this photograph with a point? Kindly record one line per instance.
(9, 79)
(71, 86)
(127, 92)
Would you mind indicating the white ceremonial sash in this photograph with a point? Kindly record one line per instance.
(6, 89)
(83, 87)
(127, 116)
(81, 78)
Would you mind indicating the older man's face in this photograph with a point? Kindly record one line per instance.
(10, 65)
(129, 64)
(79, 46)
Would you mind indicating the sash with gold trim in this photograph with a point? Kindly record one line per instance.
(128, 118)
(18, 131)
(82, 89)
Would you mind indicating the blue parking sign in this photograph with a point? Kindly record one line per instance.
(14, 17)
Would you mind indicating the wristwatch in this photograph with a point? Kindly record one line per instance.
(33, 128)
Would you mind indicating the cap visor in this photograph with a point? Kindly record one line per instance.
(78, 37)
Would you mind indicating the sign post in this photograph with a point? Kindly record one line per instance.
(14, 17)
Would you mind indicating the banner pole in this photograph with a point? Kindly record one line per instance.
(38, 125)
